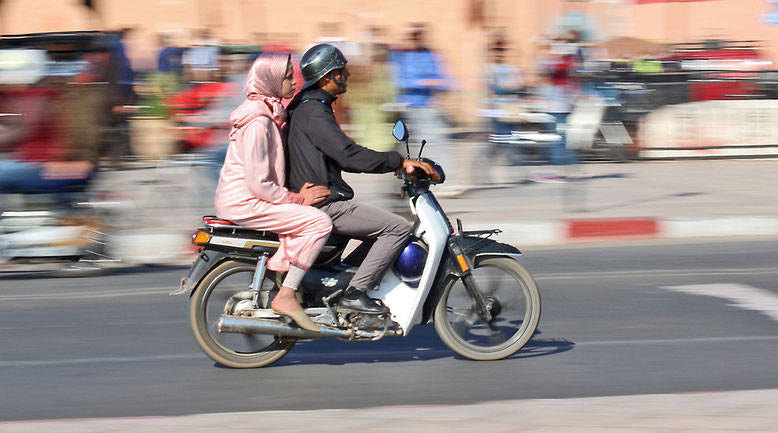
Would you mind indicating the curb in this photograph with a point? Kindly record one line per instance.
(571, 231)
(743, 411)
(562, 231)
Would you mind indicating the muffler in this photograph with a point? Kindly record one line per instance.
(255, 325)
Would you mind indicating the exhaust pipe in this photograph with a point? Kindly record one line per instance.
(254, 325)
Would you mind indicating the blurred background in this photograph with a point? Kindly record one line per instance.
(627, 147)
(113, 113)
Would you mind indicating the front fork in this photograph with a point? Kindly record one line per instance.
(464, 266)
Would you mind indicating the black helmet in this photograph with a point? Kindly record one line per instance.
(318, 61)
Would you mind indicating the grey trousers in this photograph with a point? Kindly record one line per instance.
(384, 233)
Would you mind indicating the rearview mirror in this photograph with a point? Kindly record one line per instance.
(399, 131)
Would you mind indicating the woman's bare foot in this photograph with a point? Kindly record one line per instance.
(286, 301)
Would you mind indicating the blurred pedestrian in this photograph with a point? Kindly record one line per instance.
(169, 57)
(213, 117)
(557, 93)
(125, 78)
(201, 60)
(372, 87)
(420, 80)
(251, 188)
(372, 92)
(120, 91)
(504, 84)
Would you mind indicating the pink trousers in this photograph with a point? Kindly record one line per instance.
(302, 230)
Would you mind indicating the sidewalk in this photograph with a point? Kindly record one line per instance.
(741, 411)
(606, 201)
(638, 200)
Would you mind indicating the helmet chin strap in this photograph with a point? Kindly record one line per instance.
(340, 82)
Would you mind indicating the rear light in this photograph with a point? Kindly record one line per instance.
(201, 238)
(210, 220)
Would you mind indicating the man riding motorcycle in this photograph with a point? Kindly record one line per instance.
(318, 152)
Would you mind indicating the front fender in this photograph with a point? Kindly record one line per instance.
(476, 249)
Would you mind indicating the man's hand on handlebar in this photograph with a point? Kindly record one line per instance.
(411, 165)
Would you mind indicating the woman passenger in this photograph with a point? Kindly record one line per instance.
(251, 191)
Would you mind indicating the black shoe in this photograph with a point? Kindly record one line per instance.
(357, 301)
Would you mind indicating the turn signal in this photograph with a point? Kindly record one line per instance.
(201, 238)
(462, 263)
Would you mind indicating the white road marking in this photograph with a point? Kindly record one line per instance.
(105, 359)
(654, 273)
(77, 326)
(702, 340)
(739, 295)
(102, 293)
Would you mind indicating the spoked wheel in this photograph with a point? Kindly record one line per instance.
(511, 293)
(218, 290)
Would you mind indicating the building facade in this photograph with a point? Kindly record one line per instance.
(458, 28)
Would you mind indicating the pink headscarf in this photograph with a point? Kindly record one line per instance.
(263, 86)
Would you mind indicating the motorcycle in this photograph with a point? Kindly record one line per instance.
(62, 232)
(484, 304)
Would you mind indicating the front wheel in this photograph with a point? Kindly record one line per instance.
(514, 299)
(212, 297)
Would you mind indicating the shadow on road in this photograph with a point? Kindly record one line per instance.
(422, 345)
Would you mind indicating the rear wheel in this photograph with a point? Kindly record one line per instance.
(511, 293)
(212, 297)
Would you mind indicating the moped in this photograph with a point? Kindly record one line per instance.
(484, 304)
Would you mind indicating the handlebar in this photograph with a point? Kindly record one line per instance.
(417, 174)
(418, 178)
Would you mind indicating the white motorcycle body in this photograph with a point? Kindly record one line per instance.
(404, 301)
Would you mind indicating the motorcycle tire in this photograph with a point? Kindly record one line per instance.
(208, 303)
(511, 291)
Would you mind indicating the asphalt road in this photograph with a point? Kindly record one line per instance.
(617, 320)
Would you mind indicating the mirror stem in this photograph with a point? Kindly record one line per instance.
(423, 142)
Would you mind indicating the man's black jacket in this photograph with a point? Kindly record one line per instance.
(318, 150)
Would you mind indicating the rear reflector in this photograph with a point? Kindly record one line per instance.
(201, 238)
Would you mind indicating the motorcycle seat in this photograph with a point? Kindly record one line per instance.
(224, 227)
(228, 234)
(220, 224)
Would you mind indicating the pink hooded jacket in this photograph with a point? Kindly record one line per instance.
(254, 168)
(250, 190)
